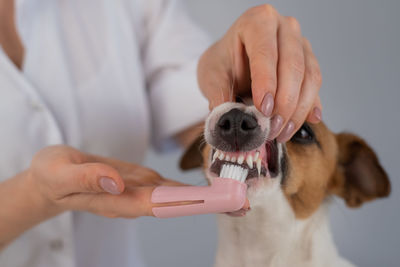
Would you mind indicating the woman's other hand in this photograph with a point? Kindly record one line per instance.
(265, 54)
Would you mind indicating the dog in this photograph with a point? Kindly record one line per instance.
(289, 187)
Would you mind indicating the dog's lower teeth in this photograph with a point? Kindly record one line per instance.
(234, 172)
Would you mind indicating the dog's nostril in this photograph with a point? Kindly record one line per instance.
(248, 123)
(225, 125)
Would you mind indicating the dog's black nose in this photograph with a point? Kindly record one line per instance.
(237, 128)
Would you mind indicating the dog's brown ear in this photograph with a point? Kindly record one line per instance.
(359, 177)
(193, 158)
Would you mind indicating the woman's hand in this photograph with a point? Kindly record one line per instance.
(68, 179)
(266, 52)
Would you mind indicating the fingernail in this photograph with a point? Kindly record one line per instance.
(286, 133)
(317, 114)
(276, 125)
(267, 104)
(109, 185)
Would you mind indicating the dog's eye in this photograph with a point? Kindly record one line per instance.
(304, 135)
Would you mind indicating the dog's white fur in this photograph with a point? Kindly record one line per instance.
(270, 234)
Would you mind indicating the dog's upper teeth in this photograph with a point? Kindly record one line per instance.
(233, 159)
(216, 153)
(256, 155)
(221, 156)
(249, 161)
(240, 159)
(259, 166)
(227, 157)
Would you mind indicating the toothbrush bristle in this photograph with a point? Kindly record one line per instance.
(235, 172)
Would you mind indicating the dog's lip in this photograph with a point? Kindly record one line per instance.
(255, 161)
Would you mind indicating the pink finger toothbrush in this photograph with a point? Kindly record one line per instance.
(223, 195)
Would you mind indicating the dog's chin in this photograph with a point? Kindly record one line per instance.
(258, 168)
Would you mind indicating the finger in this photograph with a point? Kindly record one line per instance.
(308, 95)
(290, 74)
(133, 202)
(91, 178)
(315, 115)
(260, 43)
(214, 76)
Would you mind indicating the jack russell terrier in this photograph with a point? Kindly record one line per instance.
(289, 187)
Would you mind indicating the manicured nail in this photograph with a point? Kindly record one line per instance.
(109, 185)
(286, 133)
(267, 104)
(276, 125)
(317, 114)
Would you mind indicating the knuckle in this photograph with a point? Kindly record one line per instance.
(288, 105)
(86, 180)
(297, 65)
(293, 23)
(314, 74)
(306, 43)
(264, 11)
(263, 81)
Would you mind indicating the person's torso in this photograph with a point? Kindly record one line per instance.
(81, 85)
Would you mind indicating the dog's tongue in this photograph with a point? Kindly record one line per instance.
(242, 211)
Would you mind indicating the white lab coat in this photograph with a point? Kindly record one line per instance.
(106, 77)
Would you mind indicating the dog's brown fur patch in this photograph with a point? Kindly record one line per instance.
(310, 167)
(341, 164)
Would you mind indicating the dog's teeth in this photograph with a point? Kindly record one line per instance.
(233, 159)
(227, 157)
(259, 167)
(216, 153)
(249, 161)
(240, 159)
(256, 155)
(221, 156)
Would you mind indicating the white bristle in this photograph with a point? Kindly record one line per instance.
(231, 169)
(234, 172)
(244, 175)
(222, 171)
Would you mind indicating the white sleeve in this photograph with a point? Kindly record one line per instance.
(171, 50)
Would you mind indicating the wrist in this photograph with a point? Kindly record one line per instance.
(44, 206)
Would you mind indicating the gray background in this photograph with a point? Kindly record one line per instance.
(357, 43)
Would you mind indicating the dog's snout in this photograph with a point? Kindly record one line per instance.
(236, 128)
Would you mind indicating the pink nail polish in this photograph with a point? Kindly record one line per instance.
(276, 125)
(109, 185)
(286, 133)
(317, 114)
(267, 104)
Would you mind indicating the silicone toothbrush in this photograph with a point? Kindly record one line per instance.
(227, 193)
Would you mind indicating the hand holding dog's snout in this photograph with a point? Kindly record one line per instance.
(66, 179)
(266, 52)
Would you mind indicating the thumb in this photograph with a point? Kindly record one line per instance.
(92, 178)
